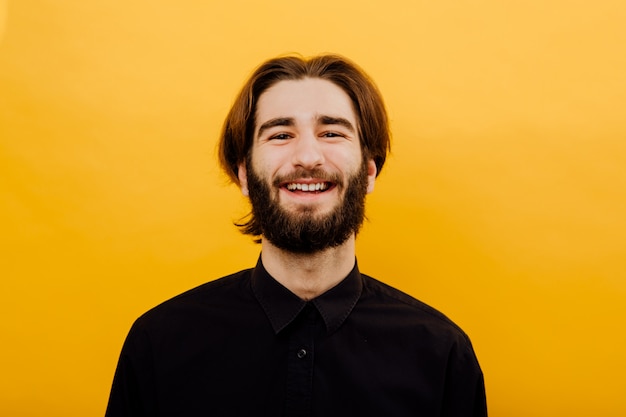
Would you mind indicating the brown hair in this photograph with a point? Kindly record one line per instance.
(373, 126)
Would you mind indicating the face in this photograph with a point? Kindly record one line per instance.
(306, 176)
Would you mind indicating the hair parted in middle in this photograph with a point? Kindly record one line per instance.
(373, 125)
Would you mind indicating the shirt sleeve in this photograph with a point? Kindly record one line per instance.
(464, 394)
(133, 390)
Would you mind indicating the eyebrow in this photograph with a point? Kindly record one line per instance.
(322, 120)
(279, 121)
(330, 120)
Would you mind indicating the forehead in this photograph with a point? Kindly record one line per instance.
(303, 100)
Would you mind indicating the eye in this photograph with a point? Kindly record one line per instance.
(281, 136)
(332, 135)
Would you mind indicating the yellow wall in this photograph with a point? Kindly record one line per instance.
(504, 203)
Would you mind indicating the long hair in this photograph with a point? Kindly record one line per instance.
(373, 126)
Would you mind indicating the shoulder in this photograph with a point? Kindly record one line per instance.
(403, 308)
(200, 301)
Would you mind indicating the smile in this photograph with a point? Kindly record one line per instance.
(318, 186)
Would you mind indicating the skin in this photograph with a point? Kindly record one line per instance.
(303, 125)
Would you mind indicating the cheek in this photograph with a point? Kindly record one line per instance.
(346, 160)
(269, 162)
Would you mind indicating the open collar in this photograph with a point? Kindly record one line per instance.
(282, 306)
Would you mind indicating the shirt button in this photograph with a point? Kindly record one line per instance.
(301, 353)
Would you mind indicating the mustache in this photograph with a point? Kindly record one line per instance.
(301, 173)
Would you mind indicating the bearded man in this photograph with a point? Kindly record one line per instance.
(303, 333)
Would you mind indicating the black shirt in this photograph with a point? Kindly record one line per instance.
(244, 345)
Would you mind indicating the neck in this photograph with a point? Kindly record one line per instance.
(309, 275)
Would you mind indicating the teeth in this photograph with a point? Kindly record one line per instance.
(320, 186)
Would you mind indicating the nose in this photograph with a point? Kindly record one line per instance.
(308, 152)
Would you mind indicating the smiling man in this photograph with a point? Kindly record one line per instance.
(304, 332)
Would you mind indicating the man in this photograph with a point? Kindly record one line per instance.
(304, 333)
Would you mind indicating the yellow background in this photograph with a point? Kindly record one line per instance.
(503, 204)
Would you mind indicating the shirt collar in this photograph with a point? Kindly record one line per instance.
(282, 306)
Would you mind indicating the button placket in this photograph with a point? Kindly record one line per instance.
(300, 362)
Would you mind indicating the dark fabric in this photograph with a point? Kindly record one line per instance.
(244, 345)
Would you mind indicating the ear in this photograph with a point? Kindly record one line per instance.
(243, 179)
(371, 175)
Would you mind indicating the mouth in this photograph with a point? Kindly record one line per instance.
(309, 186)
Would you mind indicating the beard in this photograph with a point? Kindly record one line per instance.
(303, 231)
